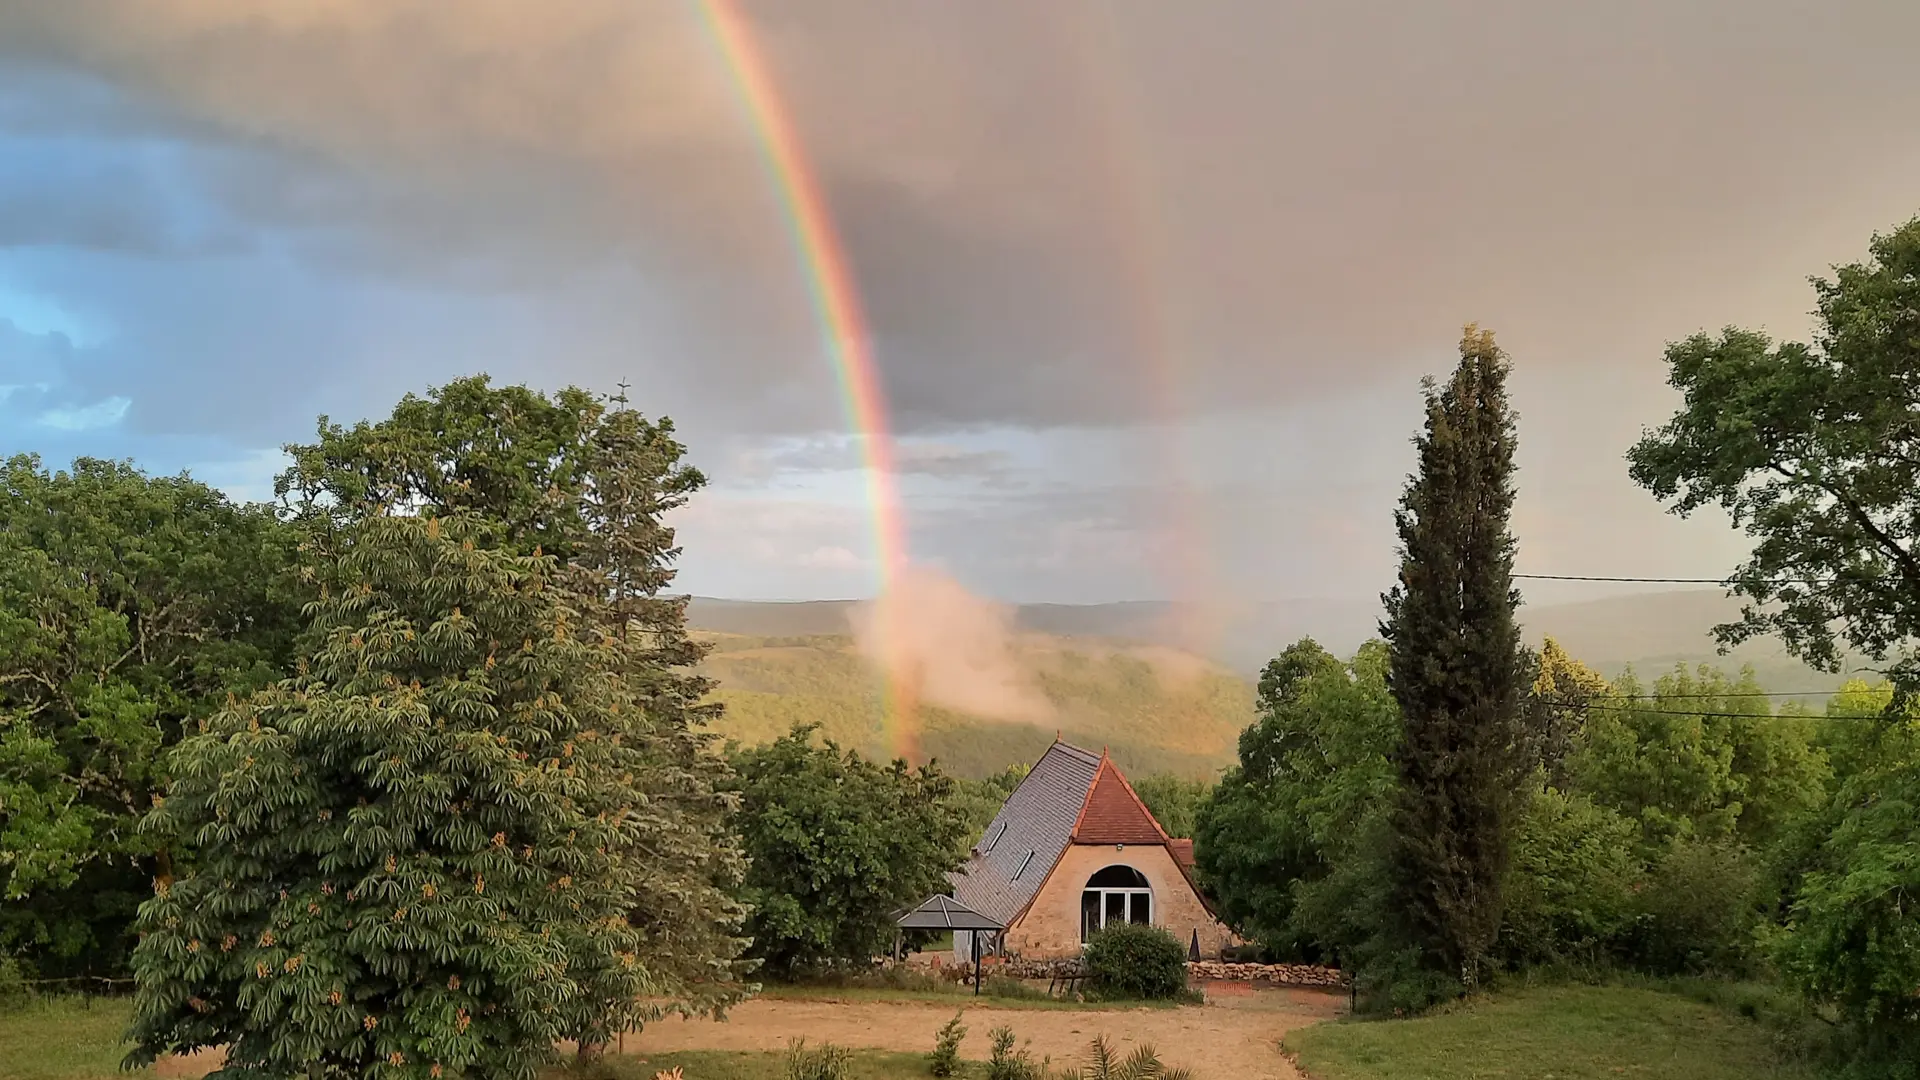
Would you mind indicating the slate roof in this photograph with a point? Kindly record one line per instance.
(1020, 848)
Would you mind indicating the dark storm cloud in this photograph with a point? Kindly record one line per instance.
(1092, 214)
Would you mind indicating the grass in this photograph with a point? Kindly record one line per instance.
(65, 1038)
(1562, 1032)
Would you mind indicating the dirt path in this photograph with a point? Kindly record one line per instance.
(1236, 1034)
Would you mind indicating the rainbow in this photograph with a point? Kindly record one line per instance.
(1133, 204)
(836, 301)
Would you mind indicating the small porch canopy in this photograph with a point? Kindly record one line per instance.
(941, 912)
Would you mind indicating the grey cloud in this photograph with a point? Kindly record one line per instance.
(764, 463)
(1091, 215)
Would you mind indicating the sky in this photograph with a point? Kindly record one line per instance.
(1150, 287)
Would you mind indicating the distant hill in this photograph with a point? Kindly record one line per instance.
(1155, 709)
(1138, 678)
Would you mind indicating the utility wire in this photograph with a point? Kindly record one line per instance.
(1728, 580)
(1594, 577)
(1741, 694)
(1720, 715)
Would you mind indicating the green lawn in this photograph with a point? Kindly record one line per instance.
(1550, 1033)
(63, 1039)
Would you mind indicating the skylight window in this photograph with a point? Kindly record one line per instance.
(995, 838)
(1023, 865)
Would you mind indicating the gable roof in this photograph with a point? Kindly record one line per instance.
(1114, 814)
(1026, 838)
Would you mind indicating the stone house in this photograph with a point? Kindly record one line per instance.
(1073, 849)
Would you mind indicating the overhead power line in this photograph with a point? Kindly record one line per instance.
(1709, 713)
(1739, 694)
(1728, 580)
(1595, 577)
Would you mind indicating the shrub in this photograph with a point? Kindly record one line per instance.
(1010, 1064)
(1570, 882)
(946, 1047)
(824, 1062)
(13, 983)
(1698, 911)
(1133, 961)
(1143, 1064)
(1003, 986)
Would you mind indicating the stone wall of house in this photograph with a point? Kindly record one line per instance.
(1051, 926)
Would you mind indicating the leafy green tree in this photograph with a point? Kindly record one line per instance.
(1456, 667)
(836, 844)
(130, 606)
(1701, 757)
(1174, 801)
(1554, 713)
(1854, 938)
(1813, 449)
(1313, 771)
(1283, 675)
(405, 852)
(1571, 881)
(483, 816)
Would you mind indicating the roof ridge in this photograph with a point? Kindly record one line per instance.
(1138, 801)
(1081, 752)
(1106, 766)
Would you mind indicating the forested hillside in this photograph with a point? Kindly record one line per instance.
(1119, 684)
(1156, 710)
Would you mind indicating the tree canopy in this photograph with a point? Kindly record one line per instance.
(1813, 449)
(130, 606)
(836, 845)
(481, 816)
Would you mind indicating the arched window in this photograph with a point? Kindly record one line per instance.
(1115, 894)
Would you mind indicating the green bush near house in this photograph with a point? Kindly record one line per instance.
(1133, 961)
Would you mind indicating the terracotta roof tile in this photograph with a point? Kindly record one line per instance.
(1113, 814)
(1182, 852)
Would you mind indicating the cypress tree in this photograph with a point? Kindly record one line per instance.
(1455, 666)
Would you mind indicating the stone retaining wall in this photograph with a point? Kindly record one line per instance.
(1276, 974)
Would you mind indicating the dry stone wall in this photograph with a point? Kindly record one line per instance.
(1278, 974)
(1275, 974)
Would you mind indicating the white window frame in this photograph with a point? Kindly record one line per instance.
(1126, 907)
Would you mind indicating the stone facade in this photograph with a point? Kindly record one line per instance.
(1051, 926)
